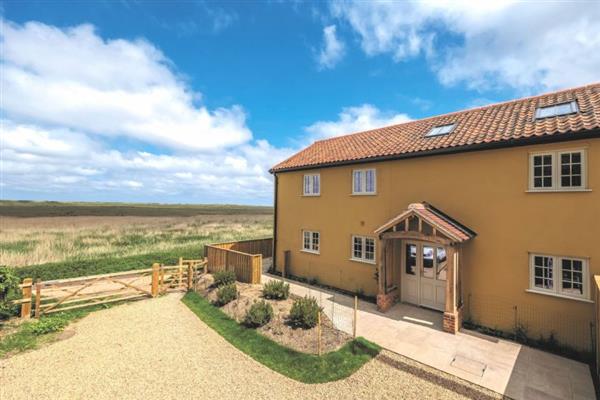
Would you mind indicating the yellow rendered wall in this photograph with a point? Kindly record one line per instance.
(486, 191)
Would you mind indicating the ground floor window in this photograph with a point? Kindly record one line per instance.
(363, 249)
(565, 276)
(311, 241)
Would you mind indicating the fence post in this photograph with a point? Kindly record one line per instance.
(155, 270)
(26, 298)
(319, 333)
(354, 321)
(38, 297)
(180, 277)
(190, 276)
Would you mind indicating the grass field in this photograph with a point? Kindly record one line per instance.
(72, 241)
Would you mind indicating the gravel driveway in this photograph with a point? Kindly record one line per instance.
(157, 348)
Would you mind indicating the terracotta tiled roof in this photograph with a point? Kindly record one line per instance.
(502, 124)
(434, 217)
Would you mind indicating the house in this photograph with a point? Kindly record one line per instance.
(492, 206)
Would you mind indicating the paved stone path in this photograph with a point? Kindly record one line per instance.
(500, 365)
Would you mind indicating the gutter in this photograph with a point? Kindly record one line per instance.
(555, 138)
(274, 257)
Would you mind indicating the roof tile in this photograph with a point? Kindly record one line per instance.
(513, 120)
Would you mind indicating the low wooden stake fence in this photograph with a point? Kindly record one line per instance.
(67, 294)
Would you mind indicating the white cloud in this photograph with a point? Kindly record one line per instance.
(72, 78)
(354, 119)
(235, 175)
(333, 49)
(525, 45)
(69, 95)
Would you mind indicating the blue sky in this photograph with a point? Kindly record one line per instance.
(193, 101)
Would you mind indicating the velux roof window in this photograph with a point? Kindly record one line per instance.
(440, 130)
(556, 110)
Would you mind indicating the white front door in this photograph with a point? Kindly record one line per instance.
(424, 274)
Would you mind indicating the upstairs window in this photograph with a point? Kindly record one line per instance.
(311, 241)
(364, 181)
(440, 130)
(556, 110)
(558, 170)
(363, 249)
(312, 185)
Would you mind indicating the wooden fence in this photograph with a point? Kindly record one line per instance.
(66, 294)
(244, 258)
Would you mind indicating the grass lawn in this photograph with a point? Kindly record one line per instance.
(302, 367)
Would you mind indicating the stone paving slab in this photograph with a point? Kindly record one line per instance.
(512, 369)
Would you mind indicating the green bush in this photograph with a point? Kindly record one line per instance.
(304, 313)
(226, 294)
(47, 325)
(276, 290)
(9, 291)
(223, 278)
(259, 314)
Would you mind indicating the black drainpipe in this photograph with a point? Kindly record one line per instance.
(274, 266)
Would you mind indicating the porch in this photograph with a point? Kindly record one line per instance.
(420, 262)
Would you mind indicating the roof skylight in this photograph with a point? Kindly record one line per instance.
(556, 110)
(440, 130)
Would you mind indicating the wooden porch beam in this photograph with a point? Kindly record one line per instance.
(452, 259)
(415, 236)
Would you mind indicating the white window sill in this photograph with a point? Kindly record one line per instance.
(557, 190)
(562, 296)
(311, 195)
(309, 251)
(363, 261)
(364, 194)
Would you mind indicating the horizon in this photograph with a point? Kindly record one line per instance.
(192, 102)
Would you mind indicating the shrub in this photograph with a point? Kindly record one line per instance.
(48, 325)
(304, 313)
(9, 291)
(276, 290)
(259, 314)
(226, 294)
(223, 278)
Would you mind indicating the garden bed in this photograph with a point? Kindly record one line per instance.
(278, 329)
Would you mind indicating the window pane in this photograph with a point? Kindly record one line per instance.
(537, 160)
(547, 159)
(315, 241)
(369, 249)
(441, 264)
(306, 245)
(357, 181)
(411, 259)
(306, 184)
(576, 181)
(565, 181)
(357, 247)
(543, 272)
(316, 185)
(370, 181)
(427, 262)
(565, 158)
(547, 182)
(576, 157)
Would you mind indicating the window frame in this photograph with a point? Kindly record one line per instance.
(363, 240)
(557, 278)
(311, 192)
(363, 172)
(556, 171)
(583, 174)
(433, 133)
(572, 104)
(312, 243)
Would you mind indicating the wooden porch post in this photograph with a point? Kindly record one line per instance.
(451, 320)
(381, 266)
(384, 300)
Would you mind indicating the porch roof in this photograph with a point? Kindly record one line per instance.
(434, 217)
